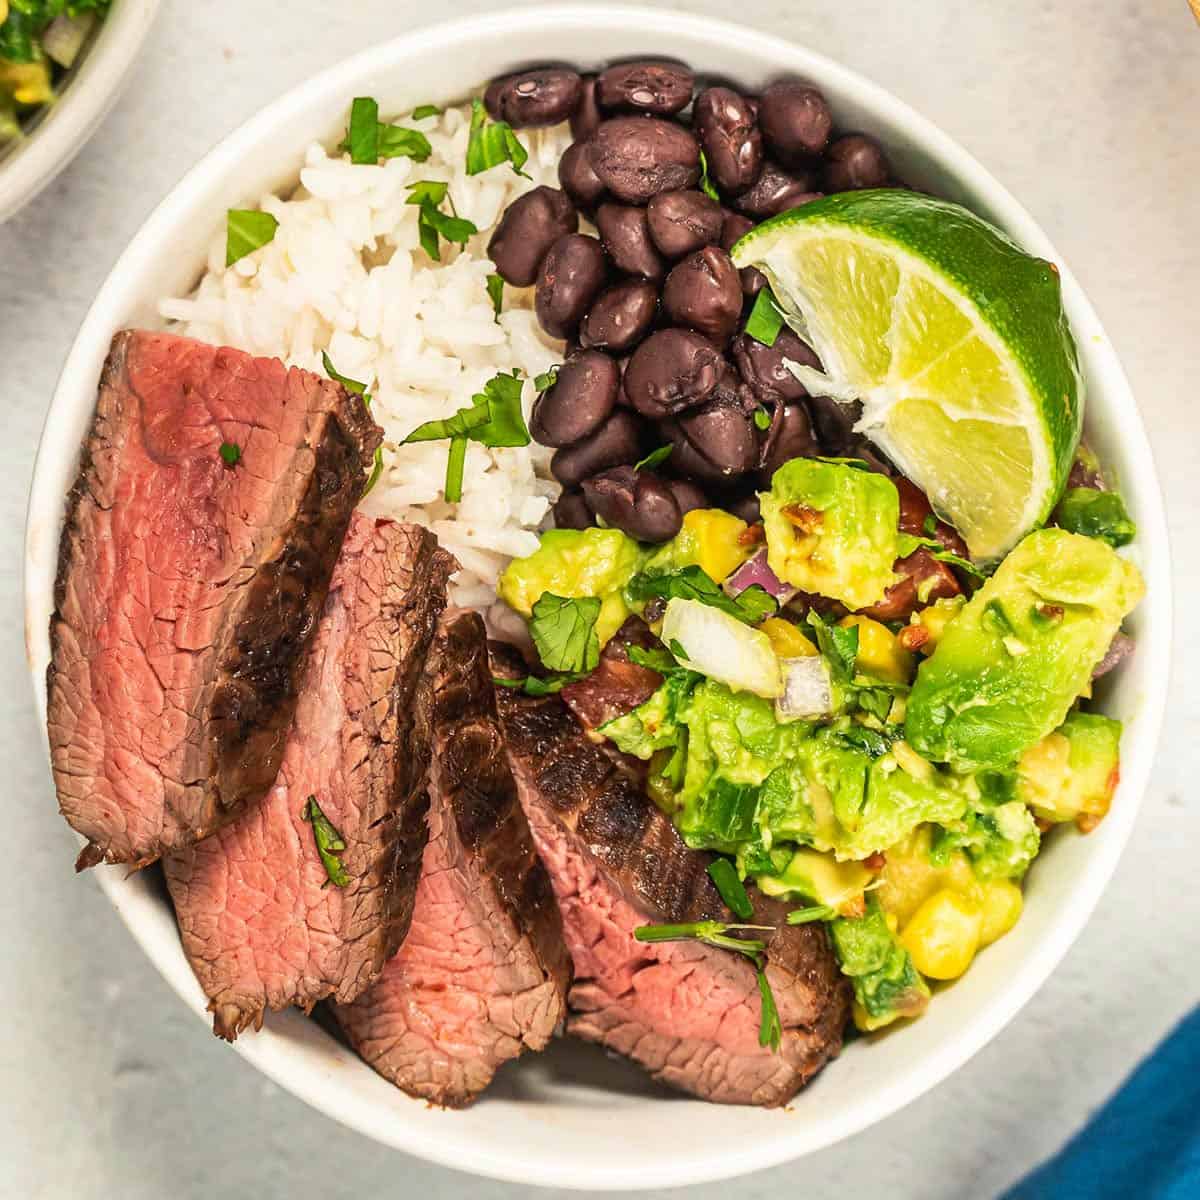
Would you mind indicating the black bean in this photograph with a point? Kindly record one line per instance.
(646, 87)
(626, 237)
(855, 161)
(729, 135)
(620, 440)
(541, 97)
(776, 191)
(672, 370)
(638, 157)
(620, 316)
(745, 506)
(704, 293)
(761, 367)
(834, 423)
(586, 118)
(578, 402)
(571, 274)
(734, 227)
(531, 224)
(578, 179)
(723, 439)
(688, 495)
(795, 120)
(681, 222)
(790, 436)
(571, 512)
(636, 502)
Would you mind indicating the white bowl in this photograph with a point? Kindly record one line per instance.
(571, 1118)
(90, 91)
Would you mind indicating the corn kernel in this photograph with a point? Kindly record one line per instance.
(715, 535)
(786, 638)
(935, 618)
(27, 83)
(879, 653)
(943, 935)
(1002, 904)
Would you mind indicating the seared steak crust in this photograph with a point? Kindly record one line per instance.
(483, 973)
(686, 1012)
(260, 921)
(187, 589)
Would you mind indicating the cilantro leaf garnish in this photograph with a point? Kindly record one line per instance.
(654, 458)
(546, 379)
(532, 685)
(495, 291)
(356, 388)
(368, 139)
(246, 230)
(231, 453)
(329, 843)
(563, 629)
(718, 933)
(815, 912)
(725, 877)
(838, 645)
(491, 143)
(691, 583)
(770, 1031)
(706, 184)
(428, 195)
(494, 419)
(765, 320)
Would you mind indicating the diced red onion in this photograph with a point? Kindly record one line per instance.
(807, 689)
(64, 37)
(756, 571)
(1120, 649)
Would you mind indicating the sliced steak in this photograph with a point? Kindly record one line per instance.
(483, 973)
(260, 920)
(617, 685)
(188, 588)
(686, 1012)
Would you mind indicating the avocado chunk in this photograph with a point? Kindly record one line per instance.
(575, 563)
(1072, 772)
(710, 539)
(832, 529)
(1096, 514)
(654, 724)
(886, 984)
(817, 877)
(996, 831)
(1010, 665)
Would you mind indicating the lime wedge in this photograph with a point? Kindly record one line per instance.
(954, 340)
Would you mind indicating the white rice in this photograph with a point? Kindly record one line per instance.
(345, 273)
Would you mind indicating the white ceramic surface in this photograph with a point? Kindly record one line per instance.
(570, 1118)
(91, 90)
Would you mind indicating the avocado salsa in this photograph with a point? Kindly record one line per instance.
(893, 776)
(40, 41)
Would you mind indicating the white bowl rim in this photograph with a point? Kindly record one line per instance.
(704, 1163)
(84, 103)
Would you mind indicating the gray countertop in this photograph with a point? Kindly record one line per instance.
(1088, 113)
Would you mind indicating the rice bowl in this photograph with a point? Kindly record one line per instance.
(563, 1144)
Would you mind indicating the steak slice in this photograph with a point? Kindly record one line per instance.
(483, 973)
(260, 921)
(188, 589)
(687, 1012)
